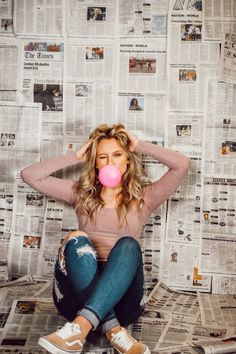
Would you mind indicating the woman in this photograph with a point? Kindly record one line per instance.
(134, 106)
(99, 273)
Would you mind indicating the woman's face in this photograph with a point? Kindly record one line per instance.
(109, 152)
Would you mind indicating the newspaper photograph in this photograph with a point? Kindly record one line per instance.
(227, 65)
(142, 66)
(88, 19)
(143, 19)
(39, 18)
(218, 18)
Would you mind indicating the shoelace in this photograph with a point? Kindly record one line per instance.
(122, 340)
(69, 329)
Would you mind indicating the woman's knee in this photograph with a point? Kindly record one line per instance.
(129, 243)
(80, 242)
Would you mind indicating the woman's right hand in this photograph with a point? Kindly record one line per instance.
(82, 153)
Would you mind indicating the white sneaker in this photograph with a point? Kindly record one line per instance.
(123, 342)
(67, 339)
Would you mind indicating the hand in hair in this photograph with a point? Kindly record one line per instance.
(133, 140)
(81, 154)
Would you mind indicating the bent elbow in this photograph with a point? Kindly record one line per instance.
(25, 175)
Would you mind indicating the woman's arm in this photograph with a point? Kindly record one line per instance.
(159, 191)
(38, 176)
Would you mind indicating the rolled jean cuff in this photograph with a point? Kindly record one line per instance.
(108, 325)
(90, 316)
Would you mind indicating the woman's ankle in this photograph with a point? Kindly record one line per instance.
(85, 325)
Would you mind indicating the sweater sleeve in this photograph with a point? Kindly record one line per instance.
(38, 176)
(159, 191)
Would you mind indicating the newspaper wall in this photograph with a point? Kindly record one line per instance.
(67, 66)
(35, 18)
(8, 67)
(219, 16)
(147, 19)
(87, 19)
(6, 18)
(227, 66)
(190, 61)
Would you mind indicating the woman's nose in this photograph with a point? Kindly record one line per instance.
(110, 161)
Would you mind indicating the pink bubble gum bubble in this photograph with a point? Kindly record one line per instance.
(109, 176)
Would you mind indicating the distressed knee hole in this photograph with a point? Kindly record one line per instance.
(85, 250)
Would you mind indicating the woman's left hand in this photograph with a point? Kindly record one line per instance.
(133, 140)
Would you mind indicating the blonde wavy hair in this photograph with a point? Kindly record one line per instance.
(88, 187)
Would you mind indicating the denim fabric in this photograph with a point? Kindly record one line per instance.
(109, 292)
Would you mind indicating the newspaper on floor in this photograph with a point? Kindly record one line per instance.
(39, 18)
(217, 309)
(218, 347)
(218, 17)
(148, 330)
(180, 333)
(178, 305)
(37, 287)
(91, 19)
(31, 318)
(143, 19)
(227, 65)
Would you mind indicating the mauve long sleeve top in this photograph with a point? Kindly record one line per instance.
(106, 230)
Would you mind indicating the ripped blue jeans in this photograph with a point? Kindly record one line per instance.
(109, 293)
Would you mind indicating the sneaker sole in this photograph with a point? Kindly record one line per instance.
(146, 351)
(53, 349)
